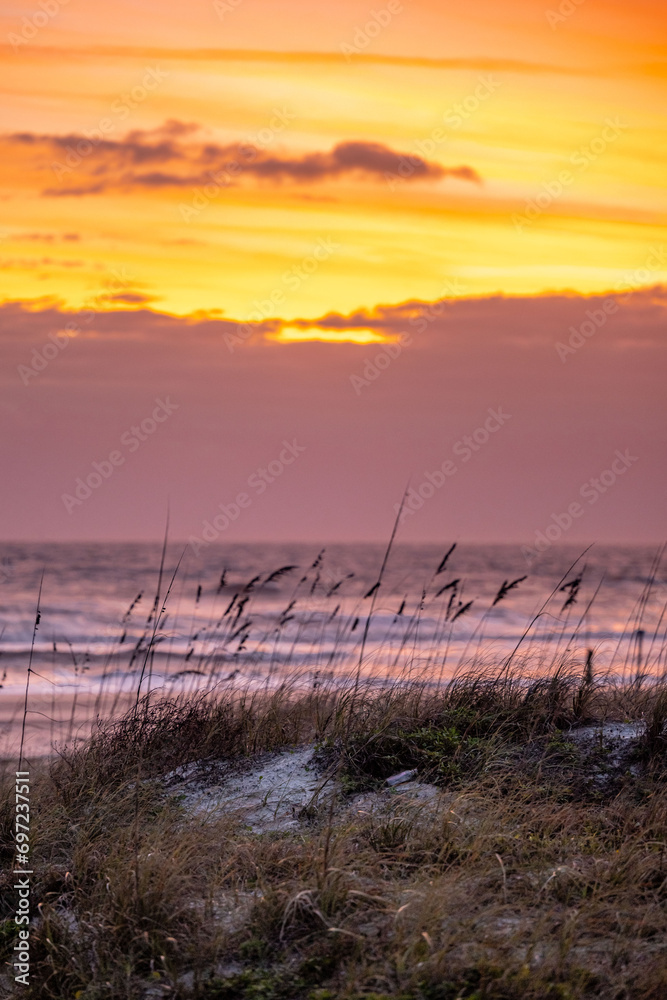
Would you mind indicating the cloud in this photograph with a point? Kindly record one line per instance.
(463, 357)
(371, 158)
(177, 155)
(530, 320)
(75, 191)
(32, 263)
(44, 237)
(128, 298)
(499, 321)
(296, 57)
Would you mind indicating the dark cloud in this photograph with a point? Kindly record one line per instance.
(370, 158)
(532, 322)
(176, 155)
(128, 298)
(463, 358)
(138, 147)
(75, 191)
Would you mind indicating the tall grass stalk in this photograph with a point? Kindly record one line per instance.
(38, 617)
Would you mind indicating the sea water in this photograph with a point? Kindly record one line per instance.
(225, 616)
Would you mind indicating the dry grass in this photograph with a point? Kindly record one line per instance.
(539, 871)
(536, 870)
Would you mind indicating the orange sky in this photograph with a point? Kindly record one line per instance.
(269, 159)
(533, 101)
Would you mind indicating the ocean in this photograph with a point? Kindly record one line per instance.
(258, 615)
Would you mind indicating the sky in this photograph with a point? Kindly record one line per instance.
(271, 264)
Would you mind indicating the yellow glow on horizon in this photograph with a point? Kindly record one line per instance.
(292, 335)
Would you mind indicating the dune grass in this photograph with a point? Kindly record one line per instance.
(533, 866)
(538, 871)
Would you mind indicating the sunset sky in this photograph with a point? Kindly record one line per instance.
(240, 206)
